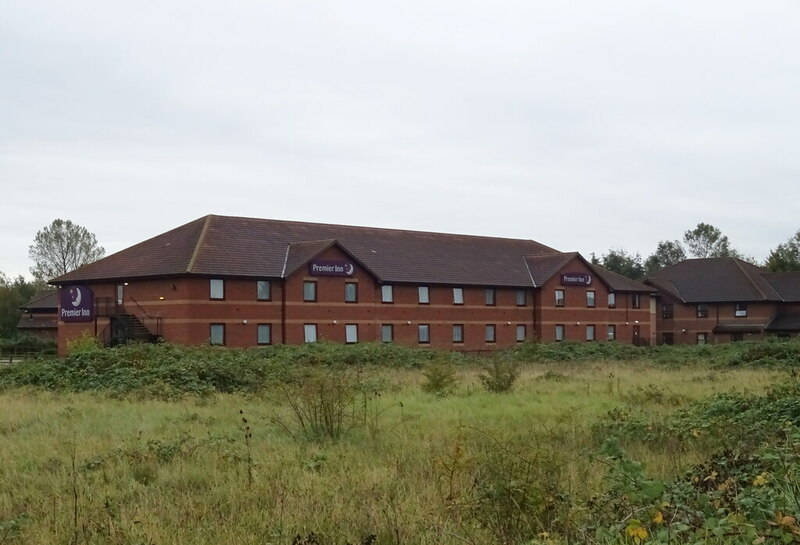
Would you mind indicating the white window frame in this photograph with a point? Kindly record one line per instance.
(309, 291)
(387, 293)
(490, 333)
(351, 333)
(387, 333)
(261, 286)
(591, 332)
(423, 295)
(458, 333)
(424, 333)
(522, 298)
(458, 296)
(490, 297)
(216, 289)
(216, 334)
(348, 296)
(259, 329)
(591, 299)
(612, 300)
(522, 333)
(560, 332)
(309, 333)
(611, 332)
(560, 302)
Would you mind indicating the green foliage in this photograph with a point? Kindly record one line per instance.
(705, 240)
(13, 294)
(668, 253)
(440, 378)
(621, 262)
(62, 247)
(86, 342)
(785, 257)
(499, 374)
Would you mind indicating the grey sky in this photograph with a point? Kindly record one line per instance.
(582, 125)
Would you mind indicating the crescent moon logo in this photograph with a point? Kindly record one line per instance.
(349, 269)
(77, 300)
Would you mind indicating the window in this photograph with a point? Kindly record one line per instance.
(636, 301)
(351, 333)
(559, 298)
(310, 333)
(560, 332)
(458, 296)
(667, 338)
(387, 294)
(309, 291)
(491, 333)
(120, 293)
(702, 311)
(458, 333)
(217, 334)
(590, 333)
(424, 333)
(666, 311)
(264, 334)
(387, 333)
(741, 310)
(521, 333)
(590, 299)
(611, 332)
(612, 300)
(522, 298)
(217, 288)
(423, 295)
(263, 291)
(702, 338)
(489, 296)
(350, 292)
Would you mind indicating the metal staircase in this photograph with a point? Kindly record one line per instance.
(125, 326)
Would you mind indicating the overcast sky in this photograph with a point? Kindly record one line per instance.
(584, 125)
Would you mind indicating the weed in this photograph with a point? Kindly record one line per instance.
(440, 378)
(499, 375)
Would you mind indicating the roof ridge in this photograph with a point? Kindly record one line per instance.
(200, 239)
(750, 279)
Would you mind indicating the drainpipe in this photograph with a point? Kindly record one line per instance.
(283, 311)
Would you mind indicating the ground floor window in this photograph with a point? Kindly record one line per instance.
(217, 334)
(702, 338)
(351, 333)
(560, 336)
(264, 334)
(491, 333)
(589, 332)
(611, 333)
(458, 333)
(667, 338)
(387, 333)
(424, 333)
(521, 334)
(310, 333)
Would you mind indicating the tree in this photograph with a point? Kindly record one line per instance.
(668, 253)
(786, 257)
(621, 262)
(707, 241)
(61, 247)
(13, 294)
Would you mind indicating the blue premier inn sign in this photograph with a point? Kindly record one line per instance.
(576, 279)
(331, 268)
(77, 304)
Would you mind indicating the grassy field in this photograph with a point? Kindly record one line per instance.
(406, 466)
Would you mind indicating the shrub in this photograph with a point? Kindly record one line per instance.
(440, 378)
(499, 375)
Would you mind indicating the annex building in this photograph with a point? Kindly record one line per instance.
(246, 282)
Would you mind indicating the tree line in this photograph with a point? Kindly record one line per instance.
(703, 241)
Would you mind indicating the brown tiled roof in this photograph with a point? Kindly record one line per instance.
(38, 322)
(786, 321)
(44, 300)
(248, 247)
(722, 279)
(787, 284)
(543, 267)
(617, 282)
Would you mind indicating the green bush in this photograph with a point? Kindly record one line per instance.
(499, 375)
(440, 378)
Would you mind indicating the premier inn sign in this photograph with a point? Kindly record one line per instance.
(576, 279)
(331, 268)
(77, 304)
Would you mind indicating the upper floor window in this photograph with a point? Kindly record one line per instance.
(387, 294)
(702, 310)
(217, 288)
(423, 295)
(741, 310)
(559, 298)
(458, 296)
(350, 292)
(667, 311)
(522, 298)
(309, 291)
(263, 291)
(489, 296)
(612, 300)
(590, 295)
(636, 301)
